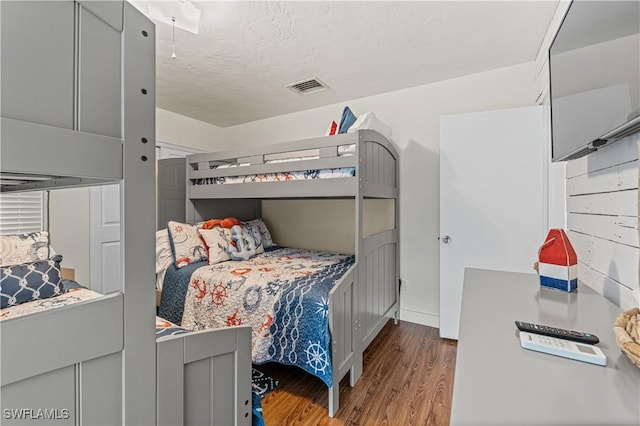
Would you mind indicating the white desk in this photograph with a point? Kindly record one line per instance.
(499, 382)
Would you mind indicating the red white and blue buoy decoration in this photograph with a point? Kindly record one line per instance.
(558, 263)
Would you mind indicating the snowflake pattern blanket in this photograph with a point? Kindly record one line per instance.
(282, 294)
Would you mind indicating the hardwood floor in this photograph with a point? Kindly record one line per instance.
(407, 380)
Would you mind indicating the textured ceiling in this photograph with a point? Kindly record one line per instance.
(235, 70)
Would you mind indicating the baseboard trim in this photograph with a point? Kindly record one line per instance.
(423, 318)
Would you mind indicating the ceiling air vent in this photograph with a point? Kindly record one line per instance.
(306, 87)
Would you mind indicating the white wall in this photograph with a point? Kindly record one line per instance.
(69, 208)
(69, 229)
(414, 114)
(326, 222)
(602, 218)
(184, 131)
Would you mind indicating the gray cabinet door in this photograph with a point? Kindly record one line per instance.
(43, 399)
(99, 109)
(109, 11)
(38, 61)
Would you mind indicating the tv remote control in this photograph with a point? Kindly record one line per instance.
(559, 333)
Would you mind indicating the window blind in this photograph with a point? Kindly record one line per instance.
(21, 212)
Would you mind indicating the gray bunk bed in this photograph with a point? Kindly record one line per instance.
(361, 302)
(204, 377)
(78, 109)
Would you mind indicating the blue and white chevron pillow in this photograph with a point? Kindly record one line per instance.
(30, 281)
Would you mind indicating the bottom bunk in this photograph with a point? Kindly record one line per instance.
(315, 310)
(299, 304)
(62, 360)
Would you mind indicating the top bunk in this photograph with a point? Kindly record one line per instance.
(363, 163)
(37, 157)
(62, 96)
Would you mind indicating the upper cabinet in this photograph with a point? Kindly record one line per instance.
(100, 73)
(65, 71)
(38, 72)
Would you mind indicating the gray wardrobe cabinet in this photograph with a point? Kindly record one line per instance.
(79, 88)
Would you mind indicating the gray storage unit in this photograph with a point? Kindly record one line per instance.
(78, 108)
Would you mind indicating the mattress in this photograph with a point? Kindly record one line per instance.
(72, 296)
(282, 294)
(340, 172)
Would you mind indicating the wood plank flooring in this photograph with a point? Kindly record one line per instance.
(407, 380)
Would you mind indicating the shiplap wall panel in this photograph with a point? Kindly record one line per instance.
(618, 261)
(620, 295)
(622, 203)
(617, 178)
(602, 218)
(621, 229)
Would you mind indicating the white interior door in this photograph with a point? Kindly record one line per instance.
(104, 224)
(492, 198)
(104, 240)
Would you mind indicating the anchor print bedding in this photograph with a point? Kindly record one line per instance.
(282, 294)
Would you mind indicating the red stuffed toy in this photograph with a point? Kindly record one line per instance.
(227, 222)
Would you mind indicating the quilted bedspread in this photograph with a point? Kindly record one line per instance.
(73, 295)
(166, 328)
(282, 294)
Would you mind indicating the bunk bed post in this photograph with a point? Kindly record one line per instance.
(359, 302)
(138, 218)
(190, 209)
(398, 281)
(334, 399)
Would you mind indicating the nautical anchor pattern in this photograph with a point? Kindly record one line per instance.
(282, 294)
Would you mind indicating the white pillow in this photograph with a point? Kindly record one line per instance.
(186, 245)
(164, 258)
(218, 241)
(368, 120)
(265, 235)
(17, 249)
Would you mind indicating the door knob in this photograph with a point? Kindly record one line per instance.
(446, 239)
